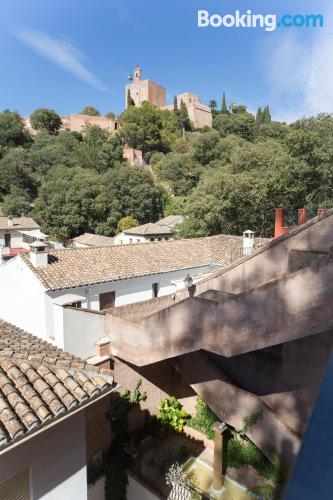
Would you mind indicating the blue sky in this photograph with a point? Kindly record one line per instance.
(65, 54)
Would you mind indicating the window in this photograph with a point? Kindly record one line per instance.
(77, 304)
(131, 240)
(16, 488)
(155, 288)
(8, 238)
(107, 301)
(159, 238)
(166, 238)
(138, 241)
(152, 239)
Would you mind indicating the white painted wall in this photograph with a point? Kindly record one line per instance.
(81, 330)
(132, 289)
(56, 459)
(22, 297)
(25, 303)
(128, 239)
(16, 238)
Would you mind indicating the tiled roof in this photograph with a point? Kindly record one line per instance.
(18, 223)
(85, 266)
(163, 226)
(40, 383)
(94, 240)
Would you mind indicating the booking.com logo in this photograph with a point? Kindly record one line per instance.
(249, 20)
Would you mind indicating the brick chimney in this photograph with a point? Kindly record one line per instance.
(280, 228)
(301, 216)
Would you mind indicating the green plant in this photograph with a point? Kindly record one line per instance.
(249, 421)
(171, 414)
(204, 419)
(136, 396)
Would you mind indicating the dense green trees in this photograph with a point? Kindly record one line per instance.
(76, 200)
(12, 132)
(45, 119)
(149, 129)
(179, 171)
(241, 124)
(223, 180)
(91, 111)
(126, 223)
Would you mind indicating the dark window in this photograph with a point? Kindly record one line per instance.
(107, 301)
(159, 238)
(152, 239)
(155, 287)
(8, 238)
(77, 304)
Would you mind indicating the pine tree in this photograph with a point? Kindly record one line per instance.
(224, 108)
(175, 104)
(266, 116)
(130, 101)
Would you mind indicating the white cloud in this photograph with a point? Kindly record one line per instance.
(62, 53)
(299, 72)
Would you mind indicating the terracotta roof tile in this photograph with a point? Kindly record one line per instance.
(33, 392)
(85, 266)
(94, 240)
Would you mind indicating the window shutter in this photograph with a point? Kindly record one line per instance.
(16, 488)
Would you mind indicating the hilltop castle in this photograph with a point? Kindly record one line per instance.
(140, 91)
(147, 90)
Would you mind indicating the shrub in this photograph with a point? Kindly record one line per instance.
(204, 419)
(171, 414)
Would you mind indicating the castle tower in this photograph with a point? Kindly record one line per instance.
(145, 90)
(137, 74)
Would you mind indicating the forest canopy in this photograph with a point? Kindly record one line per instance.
(224, 180)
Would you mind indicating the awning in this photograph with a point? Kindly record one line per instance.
(35, 233)
(67, 299)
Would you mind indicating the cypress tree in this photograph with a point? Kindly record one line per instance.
(175, 104)
(224, 108)
(259, 120)
(184, 118)
(266, 116)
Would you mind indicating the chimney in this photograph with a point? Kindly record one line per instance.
(248, 242)
(10, 222)
(38, 254)
(301, 216)
(321, 212)
(280, 228)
